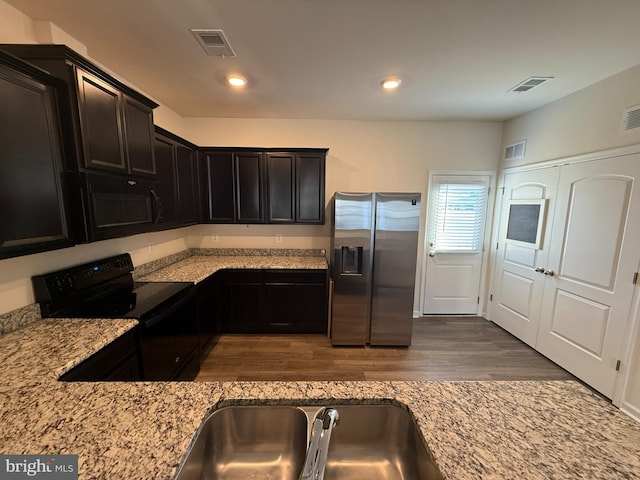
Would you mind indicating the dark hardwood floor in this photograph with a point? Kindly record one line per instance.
(443, 348)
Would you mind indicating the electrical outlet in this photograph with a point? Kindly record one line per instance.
(279, 238)
(215, 237)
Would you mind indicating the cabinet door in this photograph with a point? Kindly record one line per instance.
(279, 306)
(280, 187)
(32, 209)
(101, 124)
(295, 301)
(249, 187)
(138, 120)
(311, 308)
(310, 188)
(241, 294)
(220, 180)
(187, 185)
(166, 179)
(207, 299)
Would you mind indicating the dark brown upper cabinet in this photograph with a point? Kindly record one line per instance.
(249, 174)
(112, 124)
(295, 186)
(309, 187)
(138, 123)
(33, 209)
(284, 186)
(166, 179)
(176, 179)
(281, 169)
(101, 123)
(187, 183)
(217, 179)
(233, 186)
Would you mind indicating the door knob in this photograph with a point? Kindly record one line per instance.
(551, 273)
(432, 254)
(539, 270)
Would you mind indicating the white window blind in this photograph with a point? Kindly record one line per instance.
(458, 220)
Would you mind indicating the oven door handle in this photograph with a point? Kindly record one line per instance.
(158, 317)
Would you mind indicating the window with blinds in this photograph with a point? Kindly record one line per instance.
(458, 217)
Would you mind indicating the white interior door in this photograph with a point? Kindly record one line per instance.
(593, 256)
(517, 286)
(455, 231)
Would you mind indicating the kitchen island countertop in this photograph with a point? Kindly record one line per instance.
(141, 430)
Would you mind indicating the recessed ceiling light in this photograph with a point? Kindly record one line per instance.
(390, 83)
(236, 80)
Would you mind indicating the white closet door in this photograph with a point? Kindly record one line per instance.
(517, 287)
(593, 256)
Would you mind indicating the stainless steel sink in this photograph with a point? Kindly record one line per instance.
(239, 442)
(270, 442)
(378, 442)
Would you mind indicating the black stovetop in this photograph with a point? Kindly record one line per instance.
(140, 301)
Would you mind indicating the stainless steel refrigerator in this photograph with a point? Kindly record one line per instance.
(374, 255)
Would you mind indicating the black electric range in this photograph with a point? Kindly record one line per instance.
(105, 289)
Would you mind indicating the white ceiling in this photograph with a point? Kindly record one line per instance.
(325, 58)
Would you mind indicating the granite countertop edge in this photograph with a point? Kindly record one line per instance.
(201, 263)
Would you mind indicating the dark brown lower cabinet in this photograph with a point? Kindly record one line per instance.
(208, 310)
(295, 300)
(274, 301)
(118, 361)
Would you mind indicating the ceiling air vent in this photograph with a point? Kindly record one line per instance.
(515, 151)
(529, 83)
(631, 119)
(213, 42)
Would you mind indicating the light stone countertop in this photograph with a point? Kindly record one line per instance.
(140, 430)
(197, 268)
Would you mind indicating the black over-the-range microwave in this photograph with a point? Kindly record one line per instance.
(110, 206)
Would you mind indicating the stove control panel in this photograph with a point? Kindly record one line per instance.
(73, 281)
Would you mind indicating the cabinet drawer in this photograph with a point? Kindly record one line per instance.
(295, 276)
(242, 276)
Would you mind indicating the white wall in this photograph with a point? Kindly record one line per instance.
(586, 121)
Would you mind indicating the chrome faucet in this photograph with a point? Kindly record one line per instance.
(316, 460)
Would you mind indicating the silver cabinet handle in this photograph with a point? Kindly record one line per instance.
(551, 273)
(540, 270)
